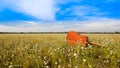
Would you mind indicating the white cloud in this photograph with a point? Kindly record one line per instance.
(86, 11)
(96, 25)
(41, 9)
(31, 23)
(67, 1)
(82, 11)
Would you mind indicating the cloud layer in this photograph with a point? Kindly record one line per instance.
(98, 25)
(52, 10)
(40, 9)
(63, 15)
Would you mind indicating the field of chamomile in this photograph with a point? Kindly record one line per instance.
(52, 51)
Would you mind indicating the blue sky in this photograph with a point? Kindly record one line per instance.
(59, 15)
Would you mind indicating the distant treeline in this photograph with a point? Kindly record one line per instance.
(58, 32)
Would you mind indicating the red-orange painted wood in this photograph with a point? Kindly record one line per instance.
(73, 38)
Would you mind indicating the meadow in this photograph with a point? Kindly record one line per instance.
(52, 51)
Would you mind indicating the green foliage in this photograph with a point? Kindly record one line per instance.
(52, 51)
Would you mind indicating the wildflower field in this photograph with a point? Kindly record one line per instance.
(52, 51)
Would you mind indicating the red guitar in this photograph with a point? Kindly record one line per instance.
(73, 38)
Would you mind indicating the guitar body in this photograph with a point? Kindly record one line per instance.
(73, 38)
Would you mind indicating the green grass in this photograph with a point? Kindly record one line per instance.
(52, 51)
